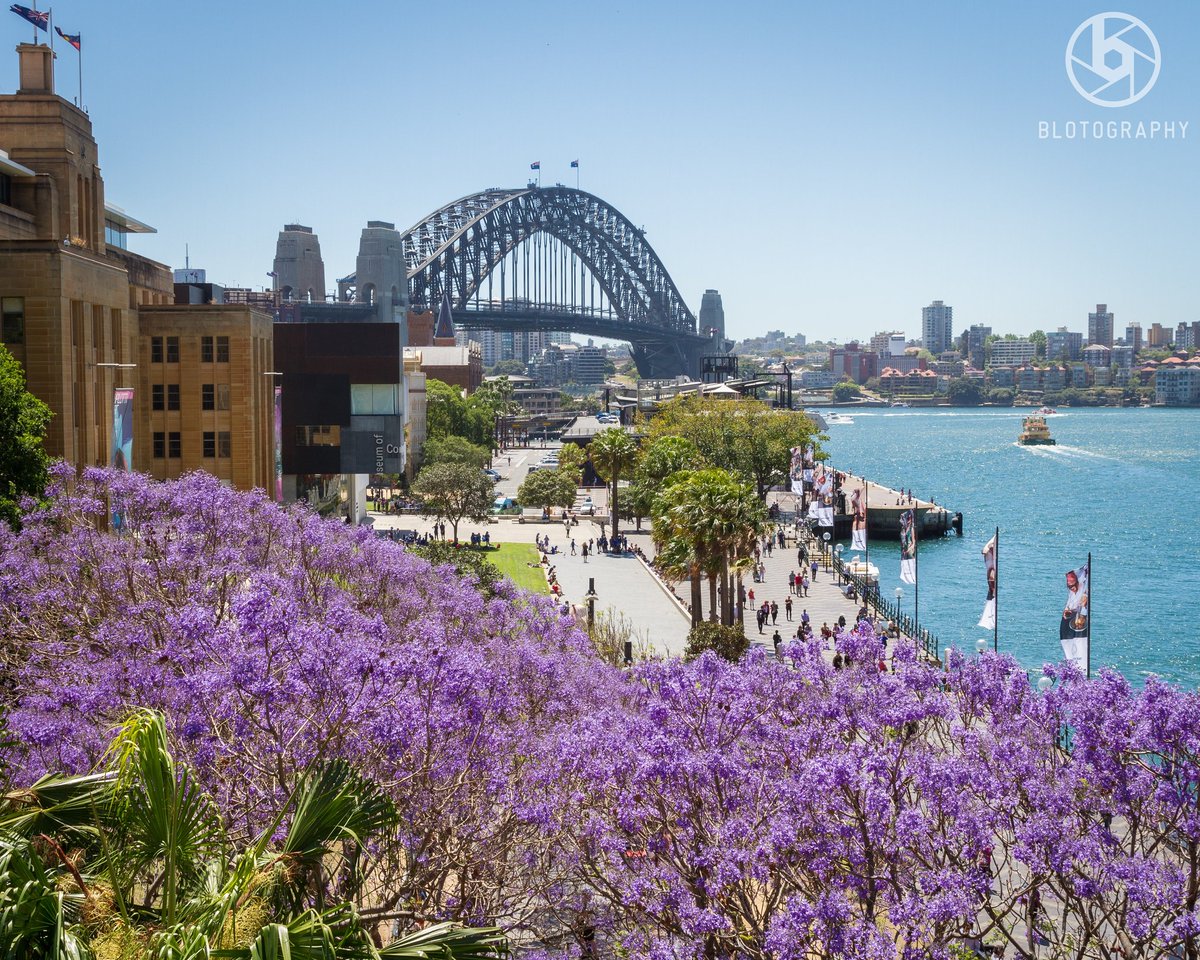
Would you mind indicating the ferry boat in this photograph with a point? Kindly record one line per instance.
(1034, 432)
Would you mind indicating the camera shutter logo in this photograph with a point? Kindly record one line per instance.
(1113, 59)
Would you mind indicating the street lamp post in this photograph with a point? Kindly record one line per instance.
(838, 565)
(981, 644)
(591, 598)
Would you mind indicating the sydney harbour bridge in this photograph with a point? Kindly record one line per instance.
(555, 258)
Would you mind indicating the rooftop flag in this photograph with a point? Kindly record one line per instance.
(575, 164)
(536, 165)
(75, 40)
(39, 19)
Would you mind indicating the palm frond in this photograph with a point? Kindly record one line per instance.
(448, 941)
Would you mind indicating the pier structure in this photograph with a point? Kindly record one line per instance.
(884, 507)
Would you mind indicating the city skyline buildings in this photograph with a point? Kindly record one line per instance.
(999, 249)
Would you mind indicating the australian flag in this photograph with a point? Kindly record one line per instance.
(74, 39)
(536, 165)
(36, 17)
(574, 164)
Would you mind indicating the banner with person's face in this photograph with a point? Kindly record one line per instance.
(988, 619)
(1075, 625)
(908, 547)
(810, 458)
(797, 470)
(858, 532)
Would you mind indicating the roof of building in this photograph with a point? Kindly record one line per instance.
(446, 356)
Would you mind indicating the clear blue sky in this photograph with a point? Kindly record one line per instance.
(829, 168)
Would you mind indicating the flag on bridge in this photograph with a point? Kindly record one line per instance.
(574, 164)
(536, 165)
(38, 19)
(74, 39)
(858, 528)
(908, 547)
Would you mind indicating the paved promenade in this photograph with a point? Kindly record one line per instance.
(623, 583)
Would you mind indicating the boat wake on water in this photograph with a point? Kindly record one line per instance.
(1064, 452)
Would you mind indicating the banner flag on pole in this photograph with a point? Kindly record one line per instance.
(796, 472)
(279, 444)
(908, 547)
(40, 19)
(536, 165)
(1074, 627)
(574, 164)
(75, 40)
(988, 619)
(823, 494)
(858, 531)
(810, 455)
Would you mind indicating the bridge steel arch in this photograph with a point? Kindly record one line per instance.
(455, 248)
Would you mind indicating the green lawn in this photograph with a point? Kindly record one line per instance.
(513, 559)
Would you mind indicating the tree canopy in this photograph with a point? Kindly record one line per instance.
(548, 488)
(23, 423)
(455, 492)
(455, 449)
(744, 436)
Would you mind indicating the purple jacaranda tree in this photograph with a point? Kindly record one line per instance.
(773, 809)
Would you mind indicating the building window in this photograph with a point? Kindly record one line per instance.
(224, 445)
(328, 435)
(206, 349)
(160, 445)
(172, 349)
(157, 394)
(374, 398)
(210, 444)
(5, 189)
(208, 396)
(172, 396)
(222, 349)
(174, 446)
(156, 349)
(222, 396)
(12, 327)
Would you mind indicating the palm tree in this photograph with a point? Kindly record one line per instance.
(134, 861)
(706, 523)
(612, 453)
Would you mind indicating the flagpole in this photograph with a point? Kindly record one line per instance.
(80, 52)
(35, 10)
(51, 30)
(866, 530)
(917, 578)
(1091, 610)
(996, 597)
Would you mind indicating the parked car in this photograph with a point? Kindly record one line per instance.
(494, 475)
(501, 503)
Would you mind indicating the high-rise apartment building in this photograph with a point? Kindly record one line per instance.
(937, 327)
(977, 336)
(1133, 337)
(1159, 336)
(882, 343)
(1064, 344)
(1100, 326)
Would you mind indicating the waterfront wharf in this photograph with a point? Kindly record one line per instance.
(884, 507)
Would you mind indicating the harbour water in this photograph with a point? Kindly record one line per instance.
(1122, 484)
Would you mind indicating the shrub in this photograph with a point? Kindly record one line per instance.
(728, 643)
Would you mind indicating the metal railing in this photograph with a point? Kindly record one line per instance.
(889, 610)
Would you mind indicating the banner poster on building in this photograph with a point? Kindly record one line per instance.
(908, 547)
(122, 436)
(1075, 626)
(810, 458)
(988, 619)
(279, 444)
(858, 532)
(796, 471)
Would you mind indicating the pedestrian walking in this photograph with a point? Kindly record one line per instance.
(774, 612)
(759, 615)
(777, 640)
(787, 608)
(750, 596)
(572, 548)
(814, 571)
(585, 553)
(792, 582)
